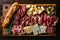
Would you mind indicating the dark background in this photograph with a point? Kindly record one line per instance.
(30, 1)
(26, 2)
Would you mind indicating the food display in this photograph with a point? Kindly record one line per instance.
(30, 19)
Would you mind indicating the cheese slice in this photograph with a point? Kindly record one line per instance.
(28, 6)
(40, 9)
(34, 12)
(42, 29)
(35, 29)
(28, 29)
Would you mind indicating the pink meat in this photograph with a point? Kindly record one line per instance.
(15, 22)
(27, 22)
(14, 29)
(17, 29)
(34, 19)
(50, 30)
(18, 12)
(21, 11)
(23, 7)
(22, 23)
(26, 17)
(22, 20)
(52, 21)
(39, 19)
(42, 18)
(45, 20)
(30, 23)
(16, 17)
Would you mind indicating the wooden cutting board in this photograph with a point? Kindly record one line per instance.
(6, 8)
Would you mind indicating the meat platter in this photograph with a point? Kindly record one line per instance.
(31, 20)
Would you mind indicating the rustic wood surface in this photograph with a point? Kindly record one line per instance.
(6, 8)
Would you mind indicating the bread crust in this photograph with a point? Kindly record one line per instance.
(9, 14)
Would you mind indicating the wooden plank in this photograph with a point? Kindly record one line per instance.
(6, 8)
(41, 35)
(42, 4)
(36, 4)
(34, 35)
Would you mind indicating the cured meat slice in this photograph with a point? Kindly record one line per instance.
(52, 20)
(23, 7)
(20, 29)
(14, 29)
(16, 17)
(17, 29)
(42, 18)
(15, 22)
(39, 20)
(50, 30)
(45, 20)
(34, 19)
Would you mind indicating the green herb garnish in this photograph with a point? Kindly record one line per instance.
(8, 30)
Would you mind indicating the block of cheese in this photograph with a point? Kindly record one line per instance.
(42, 29)
(35, 29)
(40, 9)
(28, 6)
(28, 29)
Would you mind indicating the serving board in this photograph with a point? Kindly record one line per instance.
(6, 8)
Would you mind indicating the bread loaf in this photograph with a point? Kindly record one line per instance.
(9, 14)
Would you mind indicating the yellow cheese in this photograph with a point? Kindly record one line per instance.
(28, 29)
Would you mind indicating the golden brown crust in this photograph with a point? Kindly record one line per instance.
(9, 14)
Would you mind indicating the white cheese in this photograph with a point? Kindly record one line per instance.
(35, 29)
(29, 13)
(38, 8)
(42, 8)
(42, 29)
(39, 11)
(34, 12)
(31, 9)
(28, 6)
